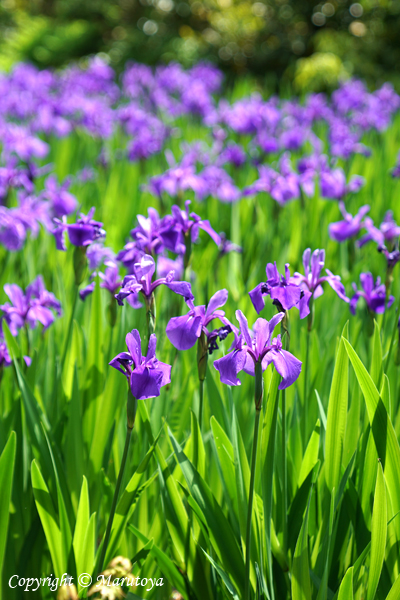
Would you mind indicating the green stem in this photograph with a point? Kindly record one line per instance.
(286, 341)
(258, 401)
(115, 499)
(284, 474)
(305, 386)
(201, 389)
(69, 331)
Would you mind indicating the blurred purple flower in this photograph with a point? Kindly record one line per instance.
(374, 294)
(82, 233)
(350, 226)
(62, 202)
(388, 231)
(30, 308)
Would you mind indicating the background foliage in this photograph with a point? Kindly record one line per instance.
(308, 43)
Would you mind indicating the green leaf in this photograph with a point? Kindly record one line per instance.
(7, 462)
(346, 587)
(377, 360)
(82, 520)
(221, 535)
(301, 584)
(48, 517)
(224, 576)
(165, 564)
(337, 415)
(378, 534)
(394, 593)
(382, 429)
(267, 464)
(311, 455)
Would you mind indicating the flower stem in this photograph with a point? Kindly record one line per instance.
(201, 389)
(258, 401)
(305, 386)
(286, 339)
(115, 499)
(69, 331)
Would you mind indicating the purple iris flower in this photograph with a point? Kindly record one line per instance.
(12, 230)
(30, 308)
(141, 281)
(5, 359)
(82, 233)
(97, 254)
(146, 235)
(374, 294)
(249, 349)
(350, 226)
(110, 280)
(387, 233)
(166, 264)
(227, 246)
(392, 257)
(183, 332)
(333, 184)
(284, 293)
(62, 202)
(145, 375)
(177, 226)
(311, 282)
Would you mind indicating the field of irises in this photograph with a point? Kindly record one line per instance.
(199, 344)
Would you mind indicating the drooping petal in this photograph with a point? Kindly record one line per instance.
(230, 365)
(205, 226)
(146, 383)
(183, 288)
(287, 365)
(183, 332)
(304, 304)
(336, 285)
(257, 298)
